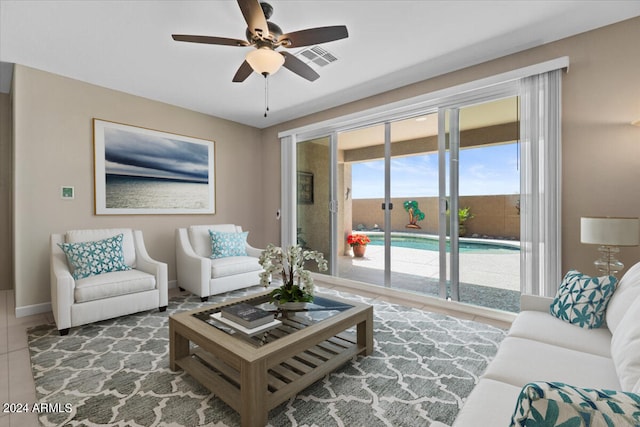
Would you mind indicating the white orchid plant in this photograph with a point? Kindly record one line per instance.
(288, 264)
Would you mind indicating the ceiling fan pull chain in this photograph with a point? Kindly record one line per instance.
(266, 94)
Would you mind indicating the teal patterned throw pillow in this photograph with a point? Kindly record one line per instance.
(228, 244)
(95, 257)
(553, 404)
(582, 300)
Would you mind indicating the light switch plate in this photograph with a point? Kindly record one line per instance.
(67, 193)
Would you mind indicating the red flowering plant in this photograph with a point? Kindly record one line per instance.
(358, 239)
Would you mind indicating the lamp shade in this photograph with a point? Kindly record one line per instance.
(265, 60)
(610, 231)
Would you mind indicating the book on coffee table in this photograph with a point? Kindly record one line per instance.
(246, 331)
(247, 315)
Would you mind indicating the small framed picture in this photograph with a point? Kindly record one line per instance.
(66, 192)
(305, 188)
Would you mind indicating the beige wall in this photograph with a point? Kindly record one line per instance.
(601, 95)
(494, 216)
(6, 179)
(52, 116)
(53, 147)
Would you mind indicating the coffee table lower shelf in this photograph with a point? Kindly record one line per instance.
(284, 380)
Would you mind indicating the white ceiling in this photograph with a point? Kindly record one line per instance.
(127, 46)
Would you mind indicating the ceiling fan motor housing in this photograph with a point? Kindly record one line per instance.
(267, 9)
(265, 39)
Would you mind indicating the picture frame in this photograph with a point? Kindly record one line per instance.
(305, 188)
(140, 171)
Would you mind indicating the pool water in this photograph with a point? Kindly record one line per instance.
(429, 243)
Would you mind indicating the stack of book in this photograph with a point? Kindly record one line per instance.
(246, 318)
(247, 315)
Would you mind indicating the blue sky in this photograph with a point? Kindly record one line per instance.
(483, 171)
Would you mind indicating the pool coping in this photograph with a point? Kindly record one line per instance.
(478, 240)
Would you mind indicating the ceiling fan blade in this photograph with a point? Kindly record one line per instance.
(253, 14)
(300, 68)
(313, 36)
(243, 72)
(209, 40)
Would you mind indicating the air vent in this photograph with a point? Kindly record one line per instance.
(317, 55)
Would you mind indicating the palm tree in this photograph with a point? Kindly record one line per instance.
(415, 214)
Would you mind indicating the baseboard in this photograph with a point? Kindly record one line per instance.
(30, 310)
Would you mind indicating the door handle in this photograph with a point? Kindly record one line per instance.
(384, 206)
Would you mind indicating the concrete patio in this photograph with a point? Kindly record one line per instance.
(487, 279)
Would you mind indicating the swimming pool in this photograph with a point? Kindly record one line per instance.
(430, 243)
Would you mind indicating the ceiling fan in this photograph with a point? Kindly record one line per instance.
(266, 37)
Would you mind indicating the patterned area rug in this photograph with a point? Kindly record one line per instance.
(116, 373)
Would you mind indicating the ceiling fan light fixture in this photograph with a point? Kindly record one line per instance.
(265, 60)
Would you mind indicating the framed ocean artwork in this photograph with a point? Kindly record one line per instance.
(144, 171)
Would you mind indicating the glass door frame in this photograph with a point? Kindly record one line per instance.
(449, 142)
(288, 177)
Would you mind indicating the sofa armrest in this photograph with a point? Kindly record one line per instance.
(156, 268)
(254, 252)
(62, 284)
(193, 271)
(535, 303)
(563, 404)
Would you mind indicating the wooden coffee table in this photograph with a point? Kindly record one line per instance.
(254, 375)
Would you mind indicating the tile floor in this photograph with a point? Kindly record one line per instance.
(16, 380)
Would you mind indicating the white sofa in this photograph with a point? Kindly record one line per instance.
(541, 348)
(201, 275)
(107, 295)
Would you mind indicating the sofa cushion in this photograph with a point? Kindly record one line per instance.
(627, 291)
(625, 347)
(489, 404)
(128, 247)
(95, 257)
(541, 326)
(228, 266)
(558, 404)
(582, 300)
(201, 239)
(113, 284)
(228, 244)
(520, 361)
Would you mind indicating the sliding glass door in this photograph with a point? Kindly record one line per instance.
(391, 183)
(361, 157)
(436, 188)
(413, 164)
(480, 194)
(313, 196)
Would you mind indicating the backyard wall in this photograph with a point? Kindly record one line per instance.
(494, 216)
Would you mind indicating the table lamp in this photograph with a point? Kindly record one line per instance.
(609, 233)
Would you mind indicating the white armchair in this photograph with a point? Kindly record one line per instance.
(109, 294)
(201, 275)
